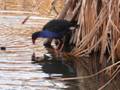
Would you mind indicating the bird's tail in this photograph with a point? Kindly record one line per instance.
(75, 24)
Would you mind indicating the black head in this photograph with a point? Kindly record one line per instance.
(34, 37)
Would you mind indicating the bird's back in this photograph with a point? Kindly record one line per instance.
(57, 25)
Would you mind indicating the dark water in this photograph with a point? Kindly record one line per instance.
(20, 71)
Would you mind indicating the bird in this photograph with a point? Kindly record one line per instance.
(54, 29)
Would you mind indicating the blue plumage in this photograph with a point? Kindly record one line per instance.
(54, 29)
(49, 34)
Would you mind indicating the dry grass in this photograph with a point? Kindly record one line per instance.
(99, 29)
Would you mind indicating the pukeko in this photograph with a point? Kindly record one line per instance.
(54, 29)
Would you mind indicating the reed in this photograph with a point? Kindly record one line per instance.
(99, 29)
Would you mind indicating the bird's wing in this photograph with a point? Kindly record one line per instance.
(57, 26)
(49, 34)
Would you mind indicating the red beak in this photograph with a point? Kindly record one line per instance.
(33, 41)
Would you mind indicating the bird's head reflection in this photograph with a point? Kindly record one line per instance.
(52, 65)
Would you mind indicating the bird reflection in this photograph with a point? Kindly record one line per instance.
(54, 66)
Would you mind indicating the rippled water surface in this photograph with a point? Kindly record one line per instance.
(17, 72)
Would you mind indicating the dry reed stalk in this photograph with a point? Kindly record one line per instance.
(25, 20)
(75, 16)
(113, 77)
(65, 9)
(104, 43)
(89, 49)
(86, 39)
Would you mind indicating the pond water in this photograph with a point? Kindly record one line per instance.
(17, 70)
(20, 71)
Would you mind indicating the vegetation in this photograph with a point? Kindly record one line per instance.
(99, 29)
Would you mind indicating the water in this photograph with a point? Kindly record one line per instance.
(17, 70)
(20, 71)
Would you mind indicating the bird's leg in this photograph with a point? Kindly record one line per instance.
(59, 46)
(57, 43)
(47, 44)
